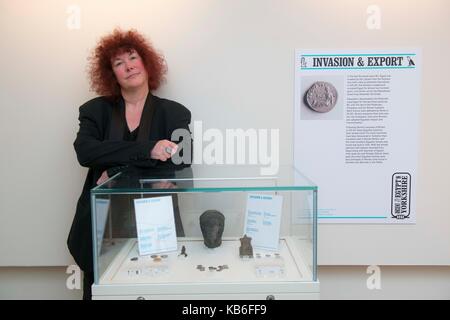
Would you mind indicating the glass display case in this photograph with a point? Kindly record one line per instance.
(205, 232)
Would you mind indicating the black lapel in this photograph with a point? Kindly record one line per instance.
(146, 119)
(117, 120)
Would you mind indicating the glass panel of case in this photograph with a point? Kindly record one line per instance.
(192, 192)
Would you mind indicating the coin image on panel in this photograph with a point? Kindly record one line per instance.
(321, 96)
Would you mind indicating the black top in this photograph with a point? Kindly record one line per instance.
(130, 135)
(98, 151)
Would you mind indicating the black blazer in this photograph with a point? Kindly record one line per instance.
(96, 151)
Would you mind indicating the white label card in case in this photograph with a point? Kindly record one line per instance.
(262, 220)
(155, 225)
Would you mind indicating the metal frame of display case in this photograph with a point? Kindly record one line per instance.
(178, 277)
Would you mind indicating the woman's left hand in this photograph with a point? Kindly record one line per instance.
(163, 150)
(102, 178)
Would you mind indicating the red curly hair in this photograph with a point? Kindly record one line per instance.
(103, 80)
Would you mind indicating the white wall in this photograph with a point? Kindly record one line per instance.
(337, 282)
(33, 283)
(397, 282)
(226, 58)
(231, 62)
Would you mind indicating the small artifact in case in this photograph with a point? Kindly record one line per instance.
(246, 249)
(212, 223)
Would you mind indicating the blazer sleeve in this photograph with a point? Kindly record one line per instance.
(92, 151)
(175, 116)
(180, 118)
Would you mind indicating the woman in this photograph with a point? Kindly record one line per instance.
(126, 126)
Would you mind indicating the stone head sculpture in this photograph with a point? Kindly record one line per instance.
(212, 223)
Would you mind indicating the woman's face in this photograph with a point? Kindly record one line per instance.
(129, 70)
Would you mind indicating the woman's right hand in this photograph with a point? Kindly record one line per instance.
(163, 150)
